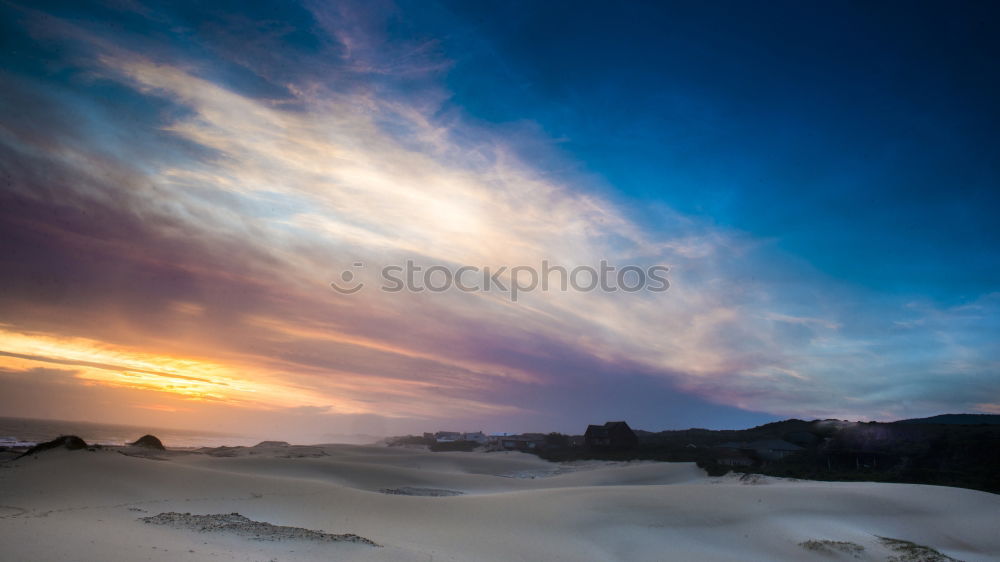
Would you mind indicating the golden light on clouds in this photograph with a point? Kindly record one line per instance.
(193, 379)
(178, 239)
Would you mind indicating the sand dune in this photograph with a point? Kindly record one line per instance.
(83, 505)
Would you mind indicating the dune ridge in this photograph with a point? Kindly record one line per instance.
(89, 505)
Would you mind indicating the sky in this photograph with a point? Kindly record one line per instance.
(182, 182)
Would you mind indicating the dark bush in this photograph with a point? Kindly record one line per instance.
(71, 442)
(149, 442)
(454, 446)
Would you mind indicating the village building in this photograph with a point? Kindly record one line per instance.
(611, 435)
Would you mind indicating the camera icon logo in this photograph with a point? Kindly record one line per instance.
(347, 278)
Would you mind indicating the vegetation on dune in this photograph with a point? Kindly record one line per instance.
(149, 442)
(833, 547)
(435, 445)
(454, 446)
(907, 551)
(903, 551)
(965, 456)
(404, 440)
(70, 442)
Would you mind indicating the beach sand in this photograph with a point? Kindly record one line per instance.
(416, 505)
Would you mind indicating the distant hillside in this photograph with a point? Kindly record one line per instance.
(957, 419)
(950, 450)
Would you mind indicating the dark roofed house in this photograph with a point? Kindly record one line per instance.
(612, 435)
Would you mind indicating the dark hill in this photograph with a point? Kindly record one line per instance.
(952, 450)
(149, 442)
(272, 444)
(956, 419)
(71, 442)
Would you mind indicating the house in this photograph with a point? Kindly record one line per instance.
(477, 436)
(447, 436)
(611, 435)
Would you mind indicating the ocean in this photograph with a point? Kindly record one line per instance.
(27, 432)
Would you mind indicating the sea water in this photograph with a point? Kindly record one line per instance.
(21, 432)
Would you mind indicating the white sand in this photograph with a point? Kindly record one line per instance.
(82, 505)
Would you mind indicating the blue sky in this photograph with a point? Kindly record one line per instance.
(861, 136)
(184, 180)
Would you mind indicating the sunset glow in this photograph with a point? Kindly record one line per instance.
(191, 379)
(180, 190)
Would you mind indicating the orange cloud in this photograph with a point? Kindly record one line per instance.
(191, 378)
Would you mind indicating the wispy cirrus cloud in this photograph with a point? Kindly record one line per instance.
(206, 222)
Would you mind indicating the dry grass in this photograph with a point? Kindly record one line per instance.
(832, 547)
(907, 551)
